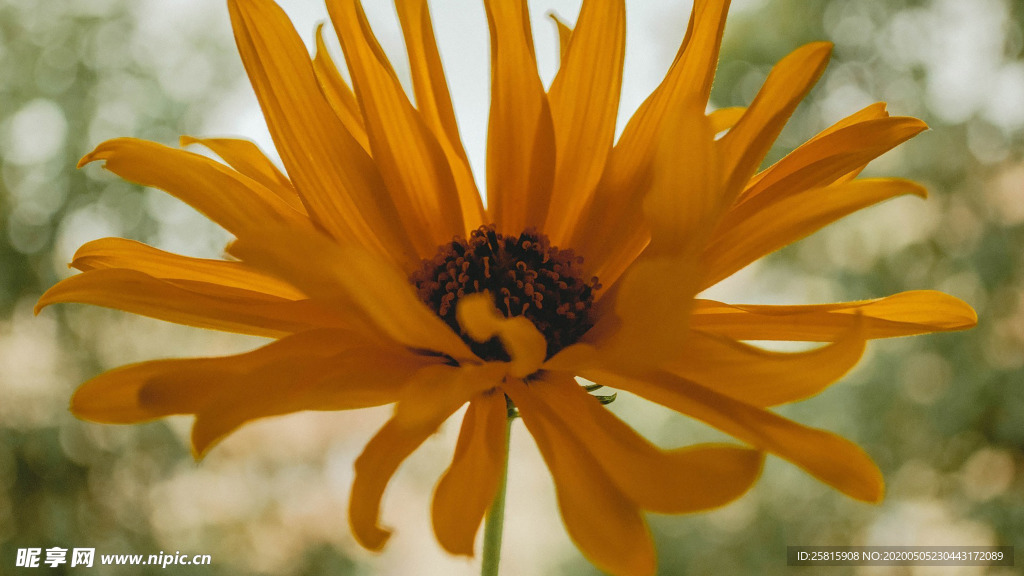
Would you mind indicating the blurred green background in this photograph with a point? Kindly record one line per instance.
(943, 415)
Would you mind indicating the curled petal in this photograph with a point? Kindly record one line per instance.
(765, 378)
(603, 522)
(314, 370)
(666, 481)
(443, 389)
(379, 461)
(466, 490)
(827, 457)
(482, 321)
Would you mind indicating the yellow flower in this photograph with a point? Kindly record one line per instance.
(383, 279)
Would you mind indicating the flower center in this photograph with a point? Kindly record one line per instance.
(525, 275)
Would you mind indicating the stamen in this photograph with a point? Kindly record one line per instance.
(526, 277)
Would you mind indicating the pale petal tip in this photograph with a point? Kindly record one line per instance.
(82, 410)
(823, 46)
(918, 190)
(92, 405)
(921, 124)
(873, 493)
(909, 187)
(973, 320)
(970, 315)
(75, 405)
(43, 302)
(880, 494)
(102, 152)
(819, 53)
(556, 18)
(88, 159)
(869, 485)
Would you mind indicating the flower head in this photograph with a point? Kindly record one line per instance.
(383, 279)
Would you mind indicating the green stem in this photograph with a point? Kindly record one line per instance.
(495, 524)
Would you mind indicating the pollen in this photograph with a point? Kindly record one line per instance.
(525, 275)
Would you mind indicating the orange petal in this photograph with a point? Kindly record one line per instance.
(411, 161)
(337, 92)
(520, 135)
(685, 198)
(374, 468)
(584, 100)
(874, 111)
(351, 281)
(652, 304)
(827, 457)
(725, 118)
(870, 112)
(429, 83)
(200, 304)
(689, 79)
(573, 358)
(603, 522)
(108, 253)
(359, 376)
(601, 237)
(828, 158)
(238, 203)
(761, 377)
(525, 345)
(750, 230)
(746, 144)
(435, 105)
(159, 388)
(903, 314)
(564, 34)
(665, 481)
(246, 157)
(337, 180)
(467, 488)
(443, 389)
(316, 370)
